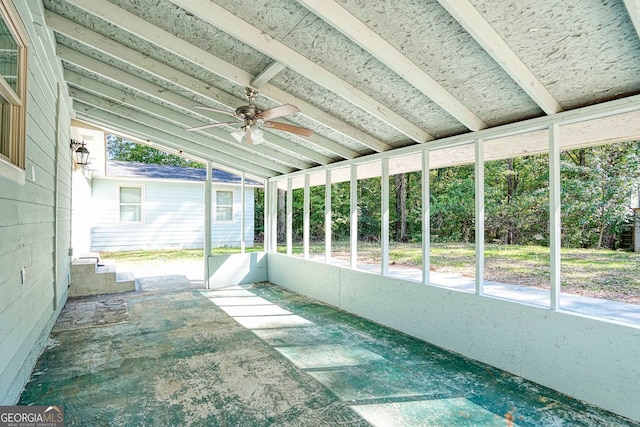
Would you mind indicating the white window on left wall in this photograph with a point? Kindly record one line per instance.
(13, 92)
(130, 204)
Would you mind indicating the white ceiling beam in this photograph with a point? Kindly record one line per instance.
(96, 41)
(164, 113)
(173, 131)
(484, 34)
(267, 74)
(106, 119)
(87, 124)
(202, 58)
(339, 18)
(570, 117)
(252, 36)
(633, 9)
(154, 91)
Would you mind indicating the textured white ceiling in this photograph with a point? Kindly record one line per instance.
(140, 65)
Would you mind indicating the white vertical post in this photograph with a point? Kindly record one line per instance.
(274, 218)
(327, 216)
(479, 217)
(270, 223)
(353, 211)
(426, 218)
(243, 215)
(265, 216)
(207, 224)
(289, 210)
(554, 213)
(384, 262)
(306, 227)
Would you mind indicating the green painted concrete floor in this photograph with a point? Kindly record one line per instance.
(261, 356)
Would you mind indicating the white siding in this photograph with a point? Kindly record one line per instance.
(28, 223)
(172, 217)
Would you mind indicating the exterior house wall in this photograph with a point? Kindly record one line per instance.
(35, 219)
(172, 217)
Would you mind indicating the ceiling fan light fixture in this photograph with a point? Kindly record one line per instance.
(257, 135)
(237, 134)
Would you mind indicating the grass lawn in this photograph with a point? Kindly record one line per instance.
(613, 275)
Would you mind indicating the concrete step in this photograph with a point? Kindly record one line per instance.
(88, 277)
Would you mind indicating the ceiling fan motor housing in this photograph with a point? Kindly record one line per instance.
(248, 112)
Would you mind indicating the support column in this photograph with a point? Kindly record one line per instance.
(384, 183)
(289, 210)
(207, 224)
(554, 213)
(327, 217)
(266, 217)
(243, 215)
(426, 218)
(274, 217)
(306, 226)
(479, 217)
(353, 212)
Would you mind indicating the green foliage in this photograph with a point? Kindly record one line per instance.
(596, 184)
(517, 200)
(258, 218)
(452, 204)
(124, 150)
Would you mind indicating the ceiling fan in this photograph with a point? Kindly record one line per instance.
(252, 118)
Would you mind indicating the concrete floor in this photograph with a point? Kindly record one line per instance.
(261, 356)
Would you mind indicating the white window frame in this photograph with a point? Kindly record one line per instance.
(13, 163)
(119, 204)
(233, 205)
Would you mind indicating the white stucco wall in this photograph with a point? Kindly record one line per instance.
(594, 360)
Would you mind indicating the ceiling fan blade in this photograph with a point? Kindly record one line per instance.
(212, 125)
(247, 134)
(288, 128)
(204, 107)
(280, 111)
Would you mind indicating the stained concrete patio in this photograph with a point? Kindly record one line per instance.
(260, 356)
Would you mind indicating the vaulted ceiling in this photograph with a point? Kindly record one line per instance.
(367, 76)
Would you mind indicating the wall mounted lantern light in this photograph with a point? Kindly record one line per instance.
(80, 152)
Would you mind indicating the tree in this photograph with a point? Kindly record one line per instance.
(596, 186)
(282, 215)
(453, 204)
(122, 149)
(400, 181)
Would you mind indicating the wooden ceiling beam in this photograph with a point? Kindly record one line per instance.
(159, 140)
(633, 9)
(267, 74)
(484, 34)
(340, 19)
(167, 41)
(229, 153)
(164, 113)
(229, 23)
(96, 41)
